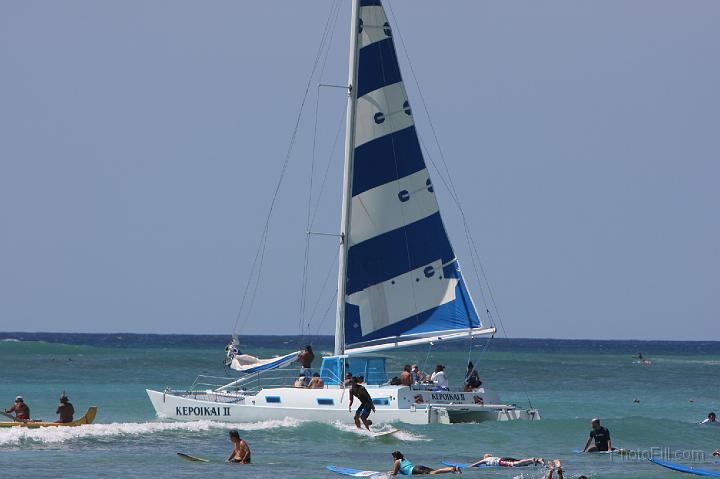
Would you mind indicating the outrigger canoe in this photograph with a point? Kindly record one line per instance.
(87, 418)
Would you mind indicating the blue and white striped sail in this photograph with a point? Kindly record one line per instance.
(403, 280)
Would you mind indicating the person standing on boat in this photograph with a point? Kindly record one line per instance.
(406, 377)
(306, 358)
(601, 435)
(439, 378)
(65, 410)
(366, 404)
(21, 410)
(241, 451)
(472, 378)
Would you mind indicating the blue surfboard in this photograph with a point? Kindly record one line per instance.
(347, 471)
(686, 469)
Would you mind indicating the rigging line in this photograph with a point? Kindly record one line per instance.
(327, 310)
(328, 275)
(306, 261)
(327, 167)
(260, 254)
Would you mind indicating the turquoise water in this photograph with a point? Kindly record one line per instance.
(569, 381)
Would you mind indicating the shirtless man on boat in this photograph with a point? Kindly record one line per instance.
(65, 410)
(241, 451)
(21, 410)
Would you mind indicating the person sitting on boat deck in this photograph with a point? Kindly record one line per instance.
(316, 382)
(417, 374)
(406, 468)
(710, 419)
(555, 466)
(439, 378)
(65, 410)
(300, 381)
(601, 435)
(490, 460)
(472, 378)
(306, 358)
(406, 377)
(241, 451)
(366, 404)
(21, 410)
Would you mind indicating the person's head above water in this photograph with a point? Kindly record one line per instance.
(711, 416)
(397, 455)
(234, 435)
(595, 423)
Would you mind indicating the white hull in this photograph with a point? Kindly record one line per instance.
(393, 404)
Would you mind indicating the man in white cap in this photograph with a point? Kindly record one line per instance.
(21, 410)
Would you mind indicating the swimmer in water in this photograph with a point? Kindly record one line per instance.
(406, 468)
(490, 460)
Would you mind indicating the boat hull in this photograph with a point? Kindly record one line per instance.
(322, 405)
(87, 418)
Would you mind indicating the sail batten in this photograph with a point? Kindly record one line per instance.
(401, 275)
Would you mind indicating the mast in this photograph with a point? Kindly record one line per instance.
(347, 180)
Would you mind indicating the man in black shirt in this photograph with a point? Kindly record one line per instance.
(601, 436)
(366, 404)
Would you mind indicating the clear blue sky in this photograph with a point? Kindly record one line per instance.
(140, 143)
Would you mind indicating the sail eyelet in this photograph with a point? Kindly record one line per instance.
(404, 195)
(387, 29)
(360, 25)
(379, 117)
(429, 185)
(429, 271)
(406, 108)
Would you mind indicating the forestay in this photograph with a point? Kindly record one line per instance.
(403, 280)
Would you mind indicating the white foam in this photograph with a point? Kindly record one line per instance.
(401, 435)
(54, 435)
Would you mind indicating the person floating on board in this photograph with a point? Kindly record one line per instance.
(711, 419)
(241, 451)
(406, 468)
(406, 377)
(601, 435)
(472, 378)
(554, 467)
(439, 378)
(65, 410)
(306, 358)
(21, 410)
(490, 460)
(366, 404)
(316, 382)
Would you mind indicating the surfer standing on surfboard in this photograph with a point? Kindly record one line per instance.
(366, 403)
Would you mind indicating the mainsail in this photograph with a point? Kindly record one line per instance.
(402, 279)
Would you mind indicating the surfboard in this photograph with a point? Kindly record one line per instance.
(188, 457)
(687, 469)
(614, 451)
(384, 433)
(347, 471)
(464, 466)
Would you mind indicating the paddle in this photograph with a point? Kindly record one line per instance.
(9, 416)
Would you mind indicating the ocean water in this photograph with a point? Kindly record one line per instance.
(569, 381)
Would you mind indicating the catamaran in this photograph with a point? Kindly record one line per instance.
(399, 281)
